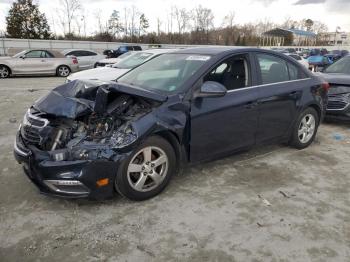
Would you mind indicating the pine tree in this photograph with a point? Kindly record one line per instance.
(26, 21)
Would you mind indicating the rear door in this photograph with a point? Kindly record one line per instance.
(87, 59)
(223, 124)
(281, 85)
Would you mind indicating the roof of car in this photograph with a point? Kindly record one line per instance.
(55, 53)
(219, 50)
(157, 50)
(70, 50)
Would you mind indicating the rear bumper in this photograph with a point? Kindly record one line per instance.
(68, 179)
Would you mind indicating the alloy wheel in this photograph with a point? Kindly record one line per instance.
(306, 128)
(63, 71)
(4, 72)
(147, 169)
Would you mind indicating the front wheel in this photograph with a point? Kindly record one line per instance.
(63, 71)
(147, 171)
(305, 129)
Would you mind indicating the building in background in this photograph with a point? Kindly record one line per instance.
(335, 38)
(281, 37)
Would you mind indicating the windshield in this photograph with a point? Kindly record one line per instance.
(133, 60)
(342, 66)
(125, 55)
(20, 54)
(165, 73)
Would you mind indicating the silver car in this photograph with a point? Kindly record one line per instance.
(87, 59)
(38, 62)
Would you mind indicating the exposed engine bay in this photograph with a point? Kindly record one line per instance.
(101, 121)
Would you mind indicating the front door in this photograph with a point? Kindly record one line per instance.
(223, 124)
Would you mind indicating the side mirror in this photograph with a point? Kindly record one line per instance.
(211, 89)
(23, 56)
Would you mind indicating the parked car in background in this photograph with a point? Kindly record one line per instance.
(38, 62)
(300, 59)
(338, 54)
(338, 76)
(118, 69)
(320, 61)
(86, 58)
(90, 140)
(114, 53)
(112, 61)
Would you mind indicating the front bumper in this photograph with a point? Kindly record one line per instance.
(69, 179)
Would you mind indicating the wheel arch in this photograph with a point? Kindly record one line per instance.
(7, 67)
(317, 109)
(172, 138)
(70, 69)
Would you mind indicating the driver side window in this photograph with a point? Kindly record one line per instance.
(34, 54)
(233, 73)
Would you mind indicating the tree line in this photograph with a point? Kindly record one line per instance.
(181, 26)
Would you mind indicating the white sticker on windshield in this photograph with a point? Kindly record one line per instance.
(198, 58)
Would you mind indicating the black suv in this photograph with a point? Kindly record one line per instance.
(114, 53)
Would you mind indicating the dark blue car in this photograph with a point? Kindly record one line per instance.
(92, 139)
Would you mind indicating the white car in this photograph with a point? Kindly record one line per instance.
(87, 59)
(118, 69)
(300, 59)
(112, 61)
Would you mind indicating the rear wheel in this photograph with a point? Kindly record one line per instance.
(147, 171)
(305, 128)
(4, 71)
(63, 71)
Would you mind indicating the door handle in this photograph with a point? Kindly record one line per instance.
(293, 94)
(43, 60)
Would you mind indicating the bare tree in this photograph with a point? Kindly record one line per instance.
(98, 17)
(134, 15)
(182, 18)
(228, 20)
(69, 9)
(126, 21)
(159, 24)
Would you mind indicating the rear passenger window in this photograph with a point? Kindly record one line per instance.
(273, 69)
(293, 72)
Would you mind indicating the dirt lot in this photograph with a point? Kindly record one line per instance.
(271, 204)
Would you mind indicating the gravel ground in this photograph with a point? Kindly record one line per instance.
(273, 203)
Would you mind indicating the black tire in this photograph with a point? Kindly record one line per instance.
(63, 71)
(5, 71)
(296, 140)
(123, 179)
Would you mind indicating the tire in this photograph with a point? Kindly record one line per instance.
(154, 163)
(5, 72)
(305, 129)
(63, 71)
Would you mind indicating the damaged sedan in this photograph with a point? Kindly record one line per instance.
(338, 76)
(92, 139)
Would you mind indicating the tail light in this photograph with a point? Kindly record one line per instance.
(325, 86)
(75, 60)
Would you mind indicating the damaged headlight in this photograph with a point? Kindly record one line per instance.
(124, 136)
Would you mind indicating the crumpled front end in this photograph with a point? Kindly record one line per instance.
(338, 102)
(72, 140)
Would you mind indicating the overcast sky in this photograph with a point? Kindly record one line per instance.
(332, 12)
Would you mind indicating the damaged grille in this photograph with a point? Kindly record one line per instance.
(32, 125)
(338, 101)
